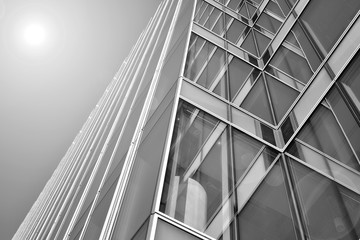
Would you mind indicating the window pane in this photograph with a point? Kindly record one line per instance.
(238, 73)
(281, 96)
(322, 132)
(164, 230)
(267, 214)
(198, 177)
(257, 101)
(245, 151)
(324, 23)
(329, 210)
(292, 64)
(346, 119)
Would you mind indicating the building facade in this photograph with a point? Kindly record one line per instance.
(229, 119)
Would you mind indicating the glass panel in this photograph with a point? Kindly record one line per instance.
(253, 177)
(307, 47)
(324, 23)
(245, 151)
(139, 194)
(249, 44)
(98, 217)
(204, 99)
(282, 96)
(235, 30)
(274, 8)
(257, 101)
(291, 63)
(164, 230)
(198, 178)
(329, 210)
(346, 120)
(285, 5)
(333, 169)
(262, 42)
(351, 81)
(238, 73)
(174, 57)
(267, 214)
(268, 22)
(234, 4)
(214, 69)
(323, 132)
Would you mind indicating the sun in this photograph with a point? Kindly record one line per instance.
(35, 34)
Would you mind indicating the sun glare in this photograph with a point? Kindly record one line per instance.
(35, 34)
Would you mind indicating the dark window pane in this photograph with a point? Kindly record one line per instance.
(329, 210)
(346, 119)
(323, 132)
(281, 96)
(324, 22)
(235, 31)
(245, 151)
(238, 73)
(292, 63)
(267, 215)
(268, 22)
(257, 101)
(198, 178)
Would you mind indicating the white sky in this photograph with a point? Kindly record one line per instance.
(48, 89)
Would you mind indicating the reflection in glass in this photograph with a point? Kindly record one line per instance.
(346, 119)
(198, 178)
(351, 82)
(292, 64)
(238, 73)
(257, 101)
(329, 210)
(206, 65)
(267, 214)
(323, 23)
(323, 132)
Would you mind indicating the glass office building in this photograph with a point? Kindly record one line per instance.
(229, 119)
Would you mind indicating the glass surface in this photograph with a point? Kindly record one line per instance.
(274, 7)
(98, 216)
(238, 73)
(215, 68)
(234, 4)
(282, 97)
(249, 44)
(257, 101)
(292, 64)
(139, 194)
(212, 18)
(267, 214)
(235, 31)
(245, 151)
(324, 23)
(269, 23)
(323, 132)
(204, 99)
(329, 210)
(198, 177)
(164, 230)
(174, 57)
(346, 119)
(261, 42)
(302, 40)
(349, 178)
(351, 82)
(285, 5)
